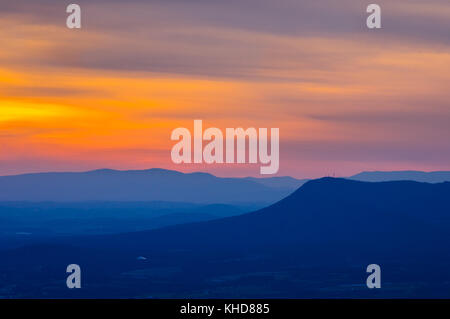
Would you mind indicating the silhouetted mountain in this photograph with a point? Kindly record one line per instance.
(426, 177)
(317, 242)
(328, 208)
(144, 185)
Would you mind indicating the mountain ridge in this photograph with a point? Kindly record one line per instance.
(138, 185)
(418, 176)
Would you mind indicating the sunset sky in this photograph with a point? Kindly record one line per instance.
(346, 98)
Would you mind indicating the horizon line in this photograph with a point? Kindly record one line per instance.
(207, 173)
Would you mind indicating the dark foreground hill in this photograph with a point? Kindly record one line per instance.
(317, 242)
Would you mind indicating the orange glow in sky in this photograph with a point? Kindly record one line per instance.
(109, 95)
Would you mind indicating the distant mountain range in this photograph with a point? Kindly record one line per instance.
(317, 242)
(144, 185)
(168, 185)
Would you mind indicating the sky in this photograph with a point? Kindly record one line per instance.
(345, 98)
